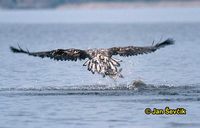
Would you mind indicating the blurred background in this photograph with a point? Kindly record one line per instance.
(101, 11)
(49, 4)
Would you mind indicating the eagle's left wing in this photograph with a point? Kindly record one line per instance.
(59, 54)
(133, 51)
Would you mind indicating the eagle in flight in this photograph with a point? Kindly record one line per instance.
(98, 60)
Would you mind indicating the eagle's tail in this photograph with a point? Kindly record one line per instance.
(164, 43)
(18, 50)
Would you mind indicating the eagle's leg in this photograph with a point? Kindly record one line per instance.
(114, 74)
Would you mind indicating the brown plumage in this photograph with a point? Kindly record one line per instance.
(99, 60)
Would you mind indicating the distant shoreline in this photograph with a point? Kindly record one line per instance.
(97, 4)
(110, 16)
(117, 5)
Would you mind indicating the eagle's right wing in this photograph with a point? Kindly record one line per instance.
(134, 50)
(59, 54)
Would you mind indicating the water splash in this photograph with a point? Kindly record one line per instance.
(135, 88)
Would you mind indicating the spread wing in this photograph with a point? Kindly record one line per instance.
(59, 54)
(133, 51)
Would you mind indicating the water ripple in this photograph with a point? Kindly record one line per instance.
(139, 88)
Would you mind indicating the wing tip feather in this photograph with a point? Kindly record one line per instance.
(167, 42)
(18, 50)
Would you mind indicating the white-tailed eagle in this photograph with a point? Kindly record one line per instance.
(99, 60)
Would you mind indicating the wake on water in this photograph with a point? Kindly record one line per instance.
(138, 88)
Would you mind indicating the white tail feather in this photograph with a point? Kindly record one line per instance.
(104, 65)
